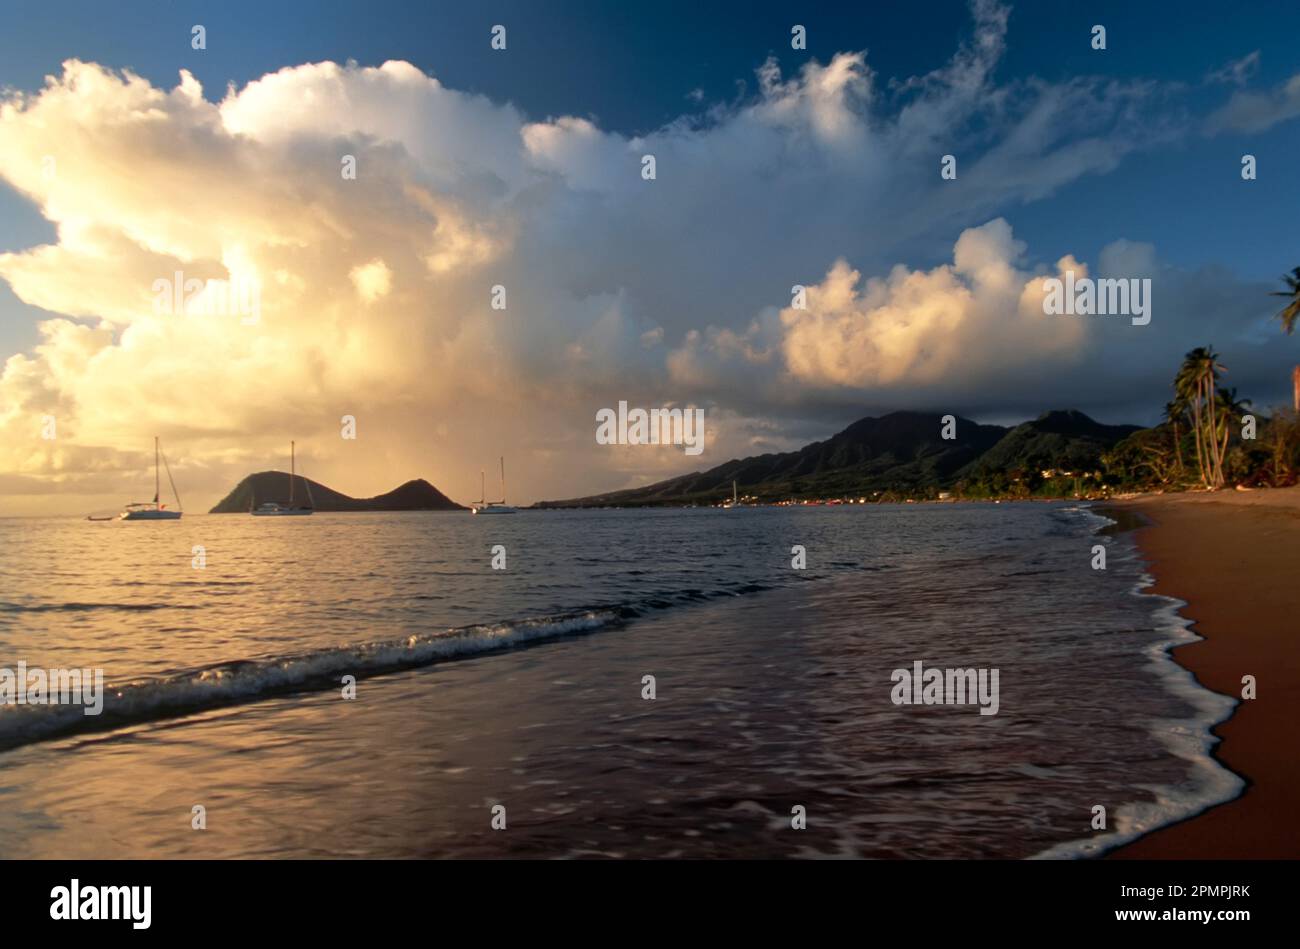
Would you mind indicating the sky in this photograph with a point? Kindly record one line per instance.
(127, 157)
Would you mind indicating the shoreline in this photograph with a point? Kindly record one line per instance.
(1234, 559)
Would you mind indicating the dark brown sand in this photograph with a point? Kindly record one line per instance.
(1235, 558)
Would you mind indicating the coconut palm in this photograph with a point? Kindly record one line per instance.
(1176, 416)
(1229, 403)
(1195, 385)
(1229, 411)
(1288, 317)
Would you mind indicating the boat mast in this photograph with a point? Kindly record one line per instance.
(172, 481)
(291, 473)
(482, 488)
(503, 479)
(155, 469)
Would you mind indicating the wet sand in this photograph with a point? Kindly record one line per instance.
(1235, 558)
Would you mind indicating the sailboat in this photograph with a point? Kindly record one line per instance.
(485, 506)
(152, 510)
(735, 498)
(275, 508)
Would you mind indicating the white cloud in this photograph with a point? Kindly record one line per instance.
(1236, 72)
(957, 326)
(372, 280)
(1252, 112)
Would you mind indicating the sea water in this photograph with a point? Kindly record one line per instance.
(526, 691)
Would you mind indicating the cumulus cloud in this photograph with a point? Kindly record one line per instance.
(376, 290)
(916, 328)
(977, 322)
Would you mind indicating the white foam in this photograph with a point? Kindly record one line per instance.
(244, 681)
(1209, 782)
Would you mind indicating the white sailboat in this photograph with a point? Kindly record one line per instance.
(485, 506)
(275, 508)
(152, 510)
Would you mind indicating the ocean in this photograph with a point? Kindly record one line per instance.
(507, 712)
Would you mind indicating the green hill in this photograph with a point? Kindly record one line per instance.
(901, 453)
(1067, 441)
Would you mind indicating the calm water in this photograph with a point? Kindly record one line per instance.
(523, 687)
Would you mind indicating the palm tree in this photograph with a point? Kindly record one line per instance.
(1229, 410)
(1195, 385)
(1288, 317)
(1175, 415)
(1230, 404)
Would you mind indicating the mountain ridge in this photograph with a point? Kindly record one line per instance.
(900, 452)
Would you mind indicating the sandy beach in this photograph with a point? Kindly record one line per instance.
(1235, 558)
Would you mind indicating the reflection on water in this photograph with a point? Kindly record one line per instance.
(772, 685)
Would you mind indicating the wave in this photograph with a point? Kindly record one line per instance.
(88, 607)
(193, 690)
(1210, 783)
(249, 680)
